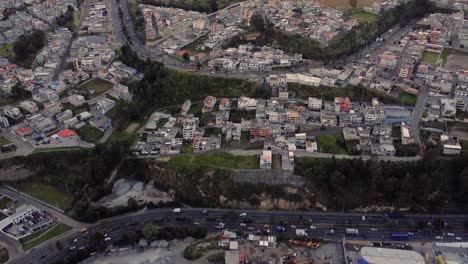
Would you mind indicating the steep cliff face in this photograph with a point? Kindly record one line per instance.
(15, 173)
(219, 188)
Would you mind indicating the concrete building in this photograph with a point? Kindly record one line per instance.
(266, 159)
(29, 106)
(315, 103)
(104, 105)
(451, 145)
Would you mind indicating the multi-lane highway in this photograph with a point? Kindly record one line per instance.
(329, 226)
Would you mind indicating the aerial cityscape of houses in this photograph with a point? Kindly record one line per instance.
(61, 104)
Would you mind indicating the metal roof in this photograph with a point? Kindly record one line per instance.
(390, 256)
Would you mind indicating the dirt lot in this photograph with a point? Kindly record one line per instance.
(173, 254)
(460, 132)
(457, 61)
(344, 5)
(132, 127)
(333, 251)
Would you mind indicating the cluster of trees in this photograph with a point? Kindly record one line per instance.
(204, 6)
(138, 20)
(66, 19)
(27, 45)
(437, 185)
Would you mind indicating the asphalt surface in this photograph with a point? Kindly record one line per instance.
(329, 226)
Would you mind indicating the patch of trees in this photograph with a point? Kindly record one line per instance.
(437, 186)
(162, 87)
(204, 6)
(138, 21)
(66, 19)
(27, 45)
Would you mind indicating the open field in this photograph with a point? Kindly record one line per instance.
(4, 141)
(365, 16)
(98, 85)
(220, 159)
(329, 144)
(344, 5)
(456, 61)
(430, 57)
(131, 128)
(44, 235)
(46, 193)
(90, 134)
(407, 98)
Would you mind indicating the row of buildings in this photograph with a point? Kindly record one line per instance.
(251, 58)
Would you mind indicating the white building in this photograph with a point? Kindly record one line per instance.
(266, 159)
(451, 145)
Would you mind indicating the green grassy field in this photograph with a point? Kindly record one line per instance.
(344, 5)
(328, 144)
(44, 235)
(4, 141)
(4, 202)
(430, 57)
(407, 98)
(99, 86)
(7, 51)
(46, 193)
(365, 16)
(221, 159)
(90, 134)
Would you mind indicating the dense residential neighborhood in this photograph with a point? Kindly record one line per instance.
(226, 131)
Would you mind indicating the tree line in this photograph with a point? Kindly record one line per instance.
(203, 6)
(429, 185)
(27, 46)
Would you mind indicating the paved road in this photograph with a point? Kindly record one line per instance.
(302, 153)
(417, 113)
(323, 224)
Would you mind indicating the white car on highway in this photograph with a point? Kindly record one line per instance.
(459, 238)
(312, 227)
(243, 224)
(450, 234)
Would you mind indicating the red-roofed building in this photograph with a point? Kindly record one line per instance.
(24, 131)
(66, 133)
(342, 104)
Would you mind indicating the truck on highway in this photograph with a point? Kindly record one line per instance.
(400, 236)
(352, 231)
(301, 232)
(176, 210)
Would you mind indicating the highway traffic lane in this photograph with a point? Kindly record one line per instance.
(117, 228)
